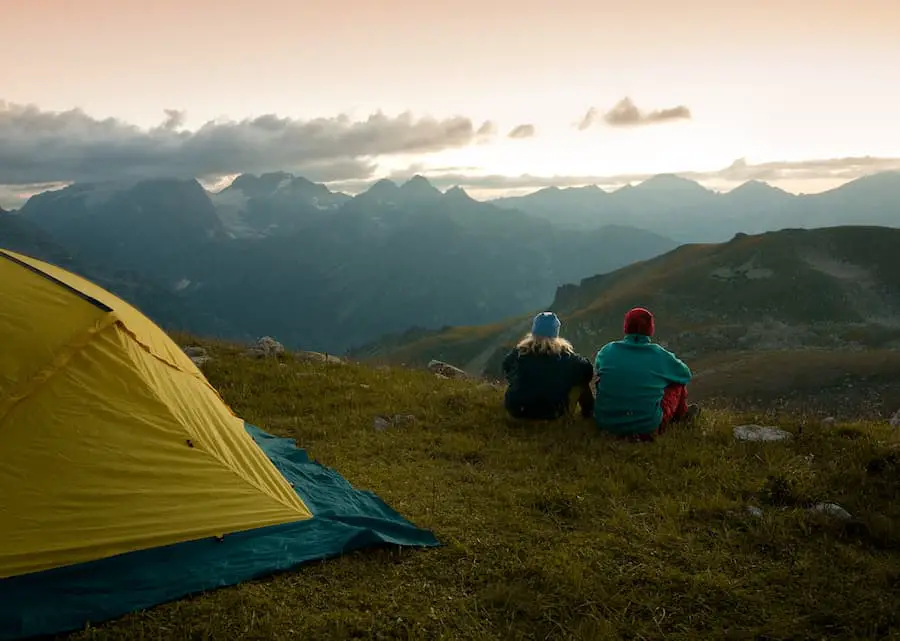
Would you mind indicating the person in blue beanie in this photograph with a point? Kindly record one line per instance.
(544, 372)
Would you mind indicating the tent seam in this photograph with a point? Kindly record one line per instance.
(208, 453)
(55, 365)
(106, 308)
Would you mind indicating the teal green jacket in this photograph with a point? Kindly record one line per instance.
(632, 375)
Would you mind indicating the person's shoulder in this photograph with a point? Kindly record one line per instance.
(606, 349)
(575, 356)
(663, 350)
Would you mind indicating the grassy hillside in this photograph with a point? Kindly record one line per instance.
(834, 288)
(554, 531)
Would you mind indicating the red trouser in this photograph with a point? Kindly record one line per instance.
(674, 406)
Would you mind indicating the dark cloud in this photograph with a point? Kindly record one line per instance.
(174, 119)
(522, 131)
(41, 146)
(626, 114)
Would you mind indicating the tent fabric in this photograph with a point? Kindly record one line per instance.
(67, 463)
(345, 519)
(126, 481)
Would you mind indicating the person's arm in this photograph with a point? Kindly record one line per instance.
(584, 370)
(508, 361)
(598, 359)
(676, 370)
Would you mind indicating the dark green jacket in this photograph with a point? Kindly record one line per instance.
(539, 384)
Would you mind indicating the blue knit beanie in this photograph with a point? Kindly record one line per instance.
(545, 325)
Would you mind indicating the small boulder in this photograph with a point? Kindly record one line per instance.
(447, 370)
(382, 423)
(197, 354)
(318, 357)
(828, 421)
(752, 510)
(266, 347)
(895, 419)
(760, 433)
(832, 509)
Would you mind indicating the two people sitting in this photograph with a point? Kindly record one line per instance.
(639, 387)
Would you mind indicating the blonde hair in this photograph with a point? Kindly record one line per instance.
(532, 344)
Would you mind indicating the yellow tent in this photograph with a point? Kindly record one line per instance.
(115, 444)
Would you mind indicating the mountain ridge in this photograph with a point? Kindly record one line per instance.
(262, 252)
(832, 288)
(683, 209)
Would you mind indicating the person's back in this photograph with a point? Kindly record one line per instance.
(640, 385)
(543, 370)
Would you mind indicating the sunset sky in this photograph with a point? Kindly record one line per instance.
(491, 95)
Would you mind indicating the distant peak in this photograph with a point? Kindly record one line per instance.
(418, 179)
(458, 192)
(668, 181)
(419, 184)
(383, 186)
(590, 189)
(244, 179)
(756, 187)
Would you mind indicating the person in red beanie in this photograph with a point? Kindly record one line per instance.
(641, 386)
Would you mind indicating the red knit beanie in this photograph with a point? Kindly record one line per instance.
(639, 321)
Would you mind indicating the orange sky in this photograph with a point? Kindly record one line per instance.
(765, 80)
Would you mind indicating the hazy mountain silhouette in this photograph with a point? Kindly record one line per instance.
(686, 211)
(163, 305)
(278, 254)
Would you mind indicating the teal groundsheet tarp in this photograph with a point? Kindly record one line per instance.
(344, 519)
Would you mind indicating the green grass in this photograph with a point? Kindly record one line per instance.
(554, 531)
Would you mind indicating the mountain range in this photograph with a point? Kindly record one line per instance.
(688, 212)
(277, 254)
(323, 270)
(834, 288)
(158, 301)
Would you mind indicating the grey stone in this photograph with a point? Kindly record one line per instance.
(760, 433)
(833, 509)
